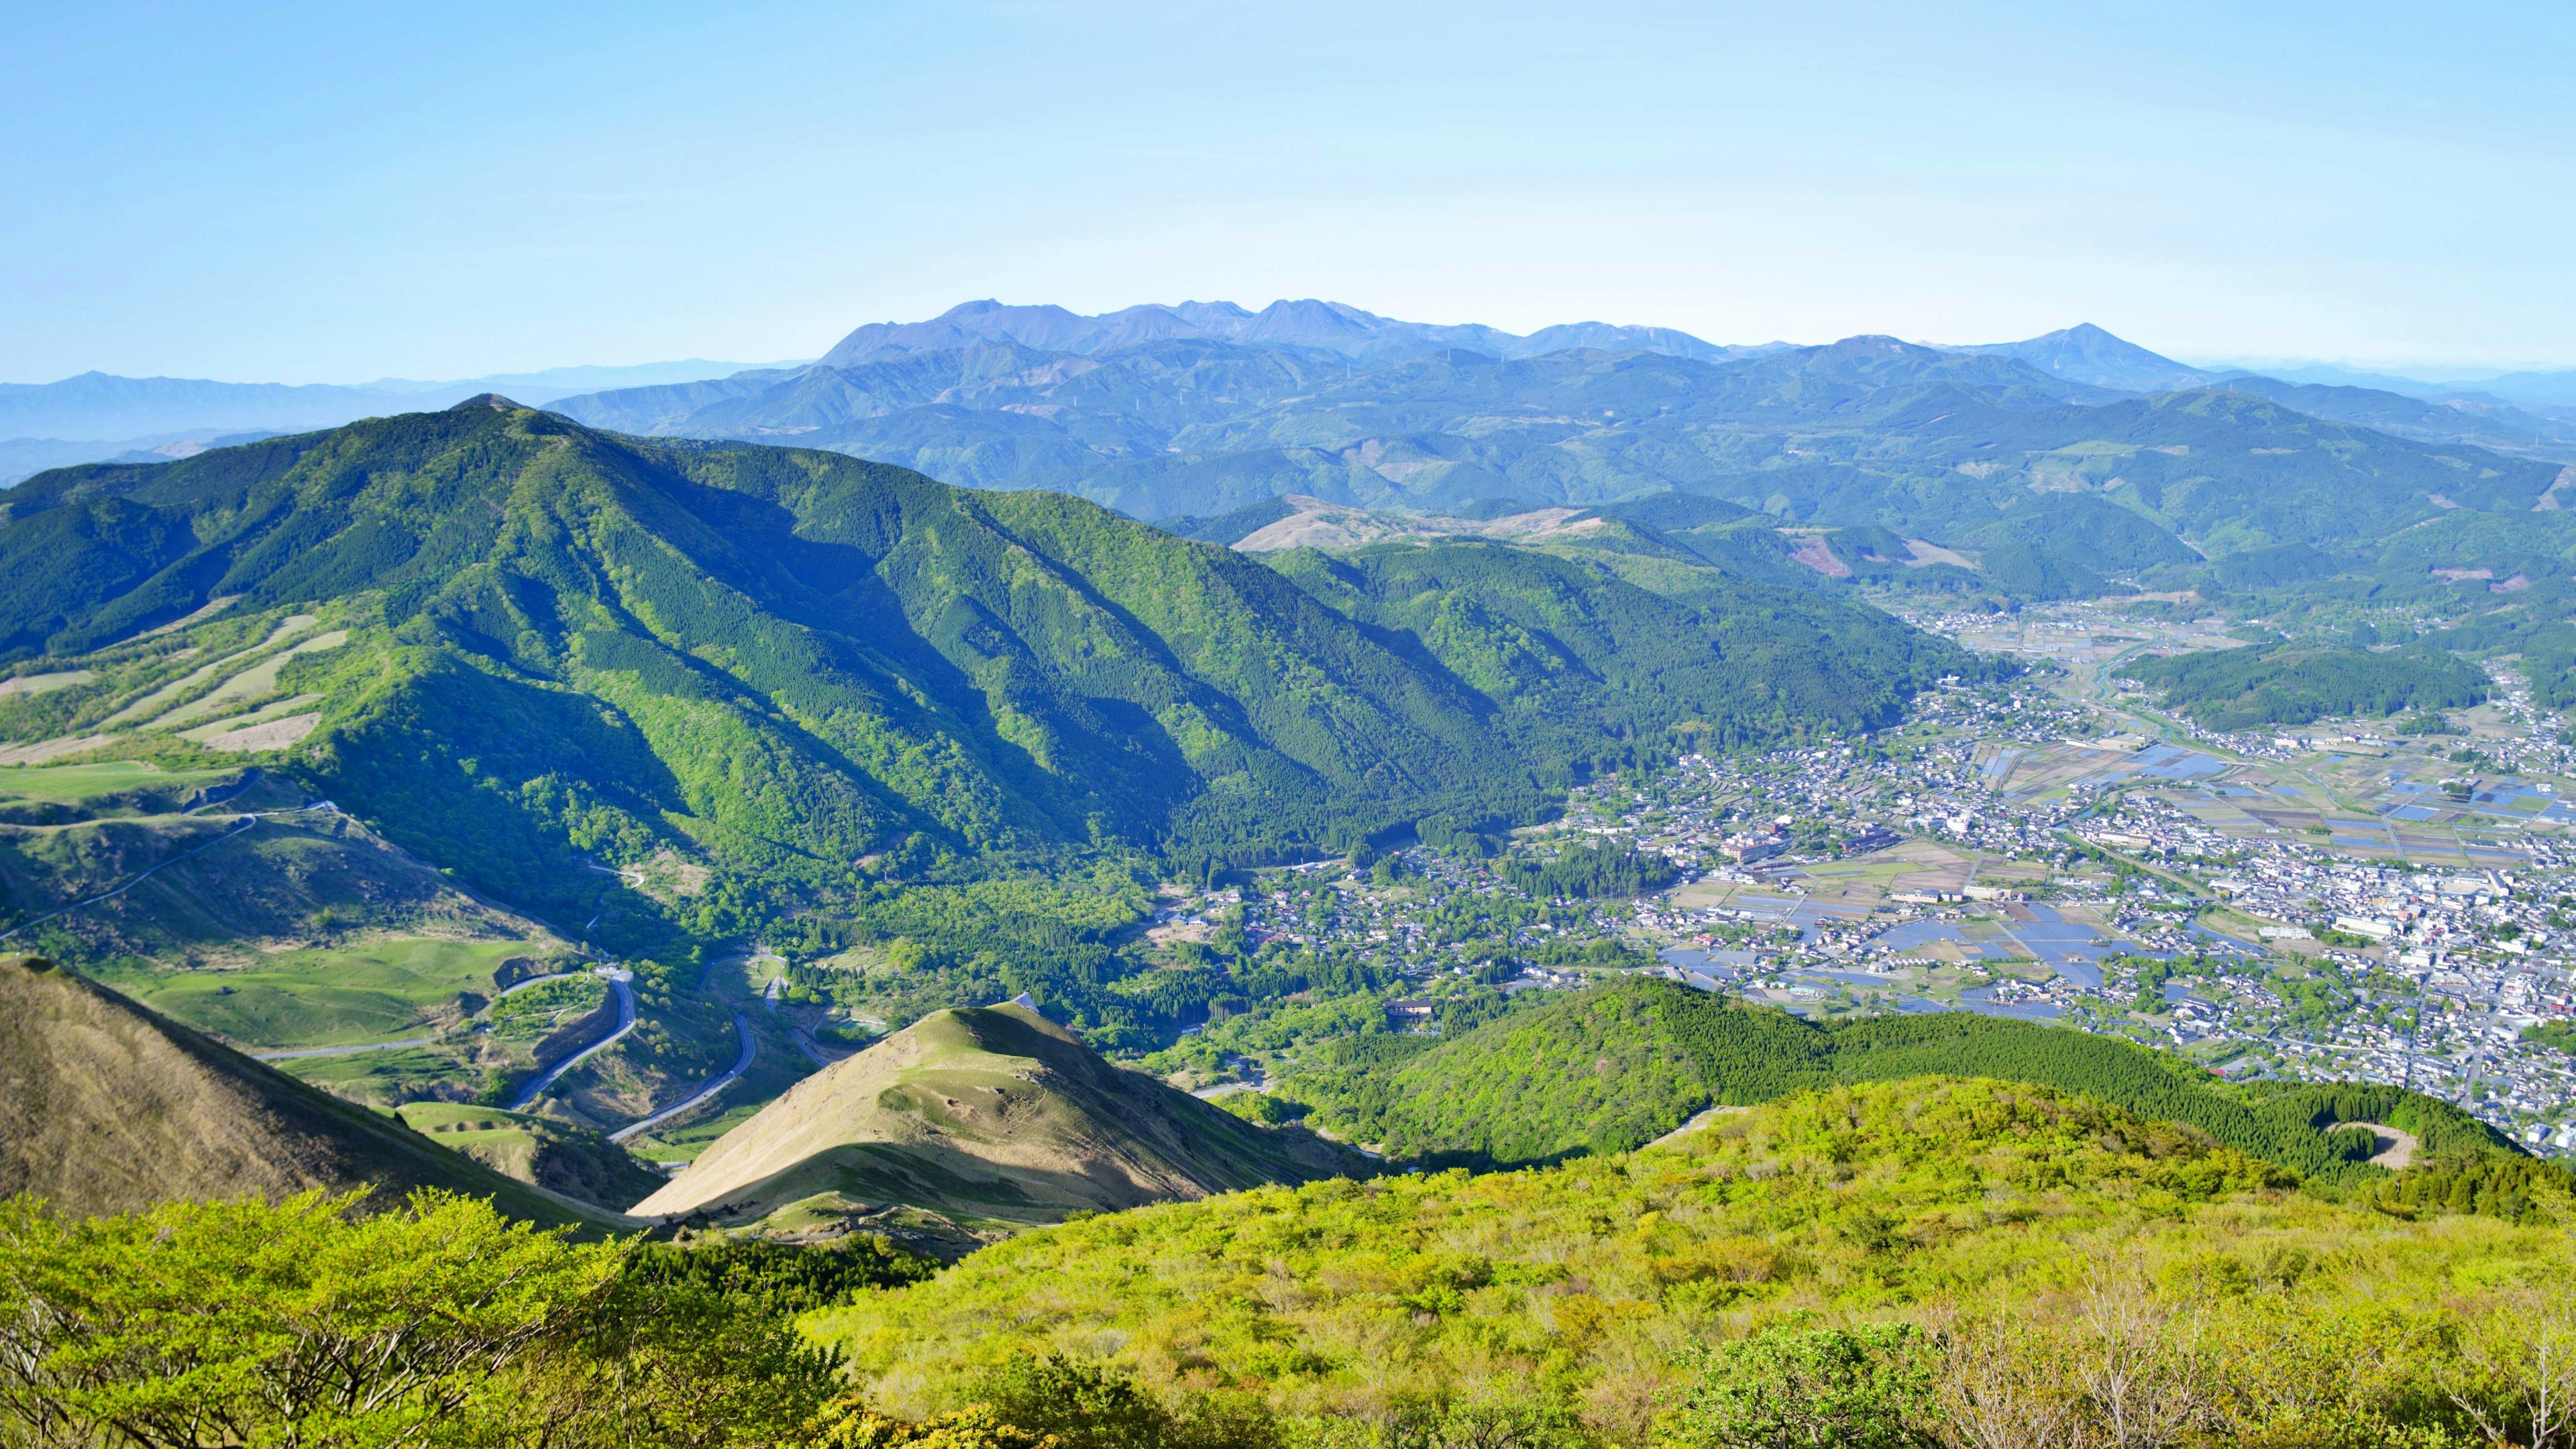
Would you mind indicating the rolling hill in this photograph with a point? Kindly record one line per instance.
(987, 1113)
(1947, 1261)
(1611, 1068)
(105, 1108)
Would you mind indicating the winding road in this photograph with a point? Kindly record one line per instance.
(248, 822)
(742, 1064)
(617, 982)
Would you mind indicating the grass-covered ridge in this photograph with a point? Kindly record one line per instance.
(1611, 1068)
(988, 1113)
(1567, 1304)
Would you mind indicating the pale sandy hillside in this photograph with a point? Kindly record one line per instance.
(993, 1112)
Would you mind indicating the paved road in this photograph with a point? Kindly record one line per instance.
(625, 1024)
(536, 981)
(742, 1064)
(248, 822)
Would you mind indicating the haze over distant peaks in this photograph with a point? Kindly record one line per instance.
(1324, 326)
(2087, 354)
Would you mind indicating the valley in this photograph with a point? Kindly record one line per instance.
(1606, 926)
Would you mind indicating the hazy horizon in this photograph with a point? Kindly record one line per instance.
(2420, 371)
(290, 193)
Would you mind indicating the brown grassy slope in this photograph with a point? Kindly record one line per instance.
(993, 1111)
(106, 1107)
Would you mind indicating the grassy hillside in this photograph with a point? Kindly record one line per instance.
(2025, 1252)
(1613, 1067)
(568, 1160)
(106, 1108)
(991, 1113)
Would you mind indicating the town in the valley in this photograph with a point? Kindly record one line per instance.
(2332, 900)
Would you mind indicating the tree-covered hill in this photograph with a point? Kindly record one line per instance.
(2237, 689)
(1610, 1068)
(569, 652)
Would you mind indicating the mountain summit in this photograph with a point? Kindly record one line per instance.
(2085, 353)
(995, 1112)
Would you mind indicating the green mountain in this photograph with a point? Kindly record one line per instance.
(106, 1107)
(1608, 1069)
(988, 1113)
(792, 681)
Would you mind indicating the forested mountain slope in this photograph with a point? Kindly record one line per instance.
(563, 651)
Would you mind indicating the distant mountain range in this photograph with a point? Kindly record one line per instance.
(1204, 408)
(98, 417)
(2540, 391)
(1945, 444)
(1320, 326)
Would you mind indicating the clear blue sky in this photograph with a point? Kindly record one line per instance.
(329, 192)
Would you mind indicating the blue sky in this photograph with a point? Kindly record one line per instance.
(336, 193)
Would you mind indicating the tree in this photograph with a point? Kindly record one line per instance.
(206, 1324)
(311, 1325)
(1826, 1388)
(850, 1424)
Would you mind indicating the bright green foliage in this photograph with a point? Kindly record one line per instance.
(2043, 1244)
(1738, 662)
(780, 1278)
(835, 682)
(440, 1322)
(850, 1424)
(2293, 684)
(1590, 871)
(1824, 1388)
(239, 1324)
(1086, 1405)
(1613, 1067)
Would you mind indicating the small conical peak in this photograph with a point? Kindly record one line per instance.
(492, 400)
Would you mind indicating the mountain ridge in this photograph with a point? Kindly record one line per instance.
(110, 1107)
(990, 1111)
(798, 662)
